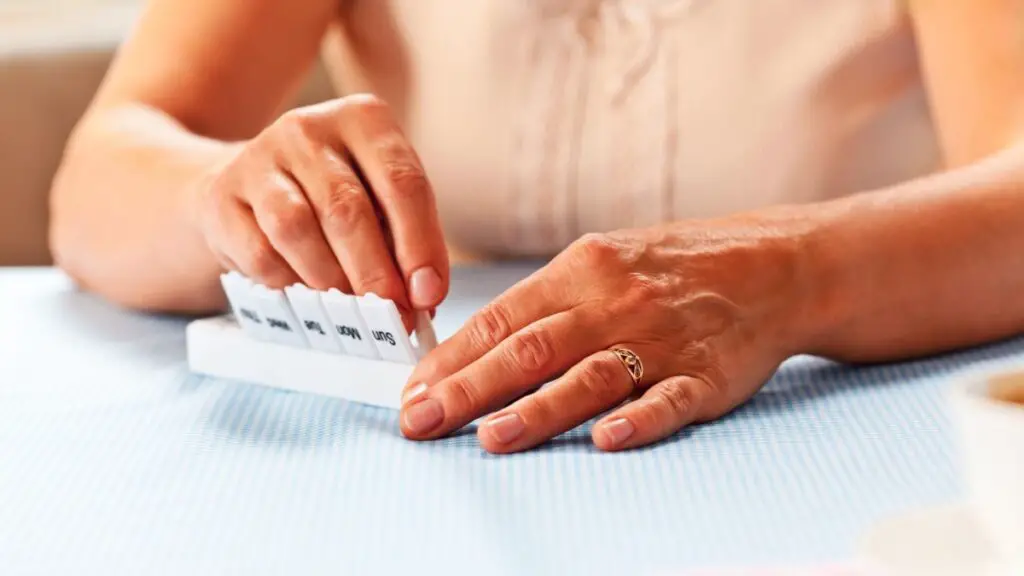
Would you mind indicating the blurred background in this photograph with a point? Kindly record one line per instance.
(53, 54)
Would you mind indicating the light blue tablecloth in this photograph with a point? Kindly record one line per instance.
(115, 460)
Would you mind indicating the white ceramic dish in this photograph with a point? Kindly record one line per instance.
(946, 541)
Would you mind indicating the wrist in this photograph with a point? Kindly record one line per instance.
(197, 187)
(824, 265)
(814, 301)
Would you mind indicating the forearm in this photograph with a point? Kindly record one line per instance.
(924, 267)
(122, 222)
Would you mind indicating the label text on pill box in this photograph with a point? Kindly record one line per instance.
(250, 315)
(279, 324)
(314, 326)
(382, 336)
(349, 332)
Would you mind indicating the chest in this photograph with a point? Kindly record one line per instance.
(540, 121)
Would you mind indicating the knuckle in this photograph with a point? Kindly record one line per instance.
(594, 249)
(407, 178)
(539, 408)
(490, 326)
(714, 393)
(347, 206)
(677, 398)
(401, 165)
(379, 281)
(641, 291)
(366, 113)
(531, 350)
(287, 222)
(260, 259)
(300, 121)
(715, 382)
(364, 102)
(221, 188)
(463, 396)
(227, 191)
(649, 415)
(605, 380)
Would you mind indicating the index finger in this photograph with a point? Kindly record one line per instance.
(520, 364)
(539, 296)
(399, 184)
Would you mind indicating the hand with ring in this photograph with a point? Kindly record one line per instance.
(655, 329)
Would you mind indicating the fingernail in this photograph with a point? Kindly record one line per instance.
(424, 416)
(505, 429)
(414, 393)
(618, 431)
(425, 287)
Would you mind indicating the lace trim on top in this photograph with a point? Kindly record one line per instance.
(597, 77)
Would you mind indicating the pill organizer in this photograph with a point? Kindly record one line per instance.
(329, 343)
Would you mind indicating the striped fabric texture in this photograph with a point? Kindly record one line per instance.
(115, 460)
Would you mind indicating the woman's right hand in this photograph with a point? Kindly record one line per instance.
(333, 196)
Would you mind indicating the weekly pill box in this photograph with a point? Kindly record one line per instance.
(329, 343)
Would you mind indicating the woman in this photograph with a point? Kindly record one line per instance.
(725, 183)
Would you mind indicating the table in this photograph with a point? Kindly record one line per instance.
(115, 460)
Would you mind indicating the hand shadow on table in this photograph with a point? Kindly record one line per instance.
(90, 320)
(266, 417)
(277, 419)
(260, 416)
(807, 381)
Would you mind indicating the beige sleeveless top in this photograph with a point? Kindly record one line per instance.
(541, 120)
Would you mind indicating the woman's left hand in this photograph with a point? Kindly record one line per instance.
(710, 309)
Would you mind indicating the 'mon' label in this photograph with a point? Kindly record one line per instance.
(349, 332)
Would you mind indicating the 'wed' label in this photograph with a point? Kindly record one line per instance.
(281, 321)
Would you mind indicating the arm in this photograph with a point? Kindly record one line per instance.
(195, 77)
(938, 263)
(711, 308)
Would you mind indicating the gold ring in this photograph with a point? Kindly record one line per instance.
(632, 363)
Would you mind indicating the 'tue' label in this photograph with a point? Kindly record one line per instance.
(313, 319)
(348, 324)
